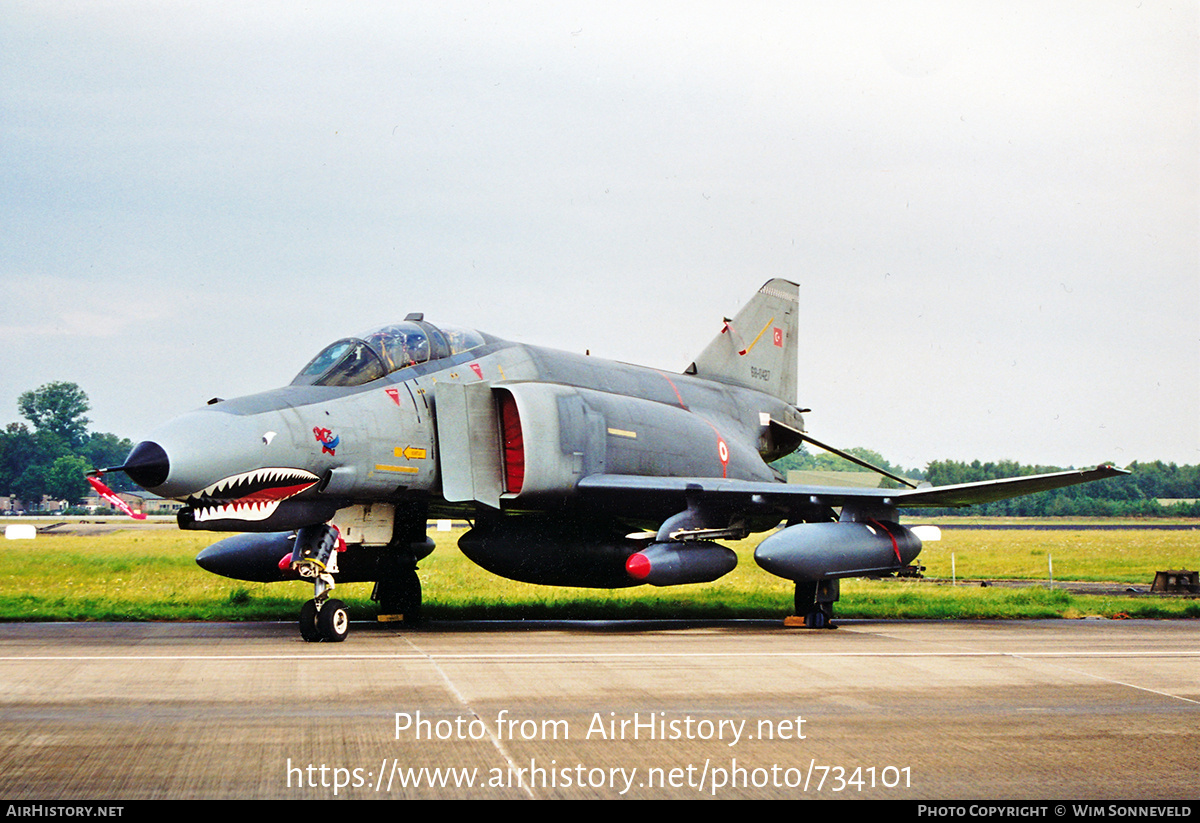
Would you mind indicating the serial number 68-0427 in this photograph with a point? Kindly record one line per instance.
(760, 374)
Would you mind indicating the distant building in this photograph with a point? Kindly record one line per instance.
(144, 503)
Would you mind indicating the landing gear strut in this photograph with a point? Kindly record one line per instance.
(315, 557)
(398, 590)
(814, 602)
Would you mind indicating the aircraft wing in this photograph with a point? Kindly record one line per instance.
(675, 491)
(988, 491)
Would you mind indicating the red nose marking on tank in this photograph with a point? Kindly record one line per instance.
(638, 566)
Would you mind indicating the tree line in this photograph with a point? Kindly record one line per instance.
(1134, 495)
(49, 454)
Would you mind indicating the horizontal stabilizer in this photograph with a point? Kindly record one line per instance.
(858, 461)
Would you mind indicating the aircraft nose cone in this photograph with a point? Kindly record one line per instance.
(147, 465)
(196, 450)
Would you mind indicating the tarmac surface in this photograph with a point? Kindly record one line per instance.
(1034, 710)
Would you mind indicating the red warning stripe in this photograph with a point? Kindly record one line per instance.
(895, 545)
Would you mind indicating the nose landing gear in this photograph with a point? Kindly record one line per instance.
(315, 557)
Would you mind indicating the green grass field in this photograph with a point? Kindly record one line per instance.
(150, 574)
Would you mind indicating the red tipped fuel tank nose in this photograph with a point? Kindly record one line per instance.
(638, 566)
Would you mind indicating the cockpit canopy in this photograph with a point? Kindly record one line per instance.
(353, 361)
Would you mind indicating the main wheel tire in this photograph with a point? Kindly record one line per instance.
(816, 619)
(333, 621)
(308, 622)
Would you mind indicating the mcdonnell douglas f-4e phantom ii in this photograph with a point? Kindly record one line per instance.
(572, 470)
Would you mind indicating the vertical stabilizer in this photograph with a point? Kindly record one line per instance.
(757, 349)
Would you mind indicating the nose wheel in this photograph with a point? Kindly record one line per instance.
(308, 622)
(328, 621)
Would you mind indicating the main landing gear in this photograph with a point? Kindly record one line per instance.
(315, 557)
(398, 590)
(814, 603)
(397, 587)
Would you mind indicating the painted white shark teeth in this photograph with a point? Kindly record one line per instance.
(237, 511)
(247, 496)
(273, 477)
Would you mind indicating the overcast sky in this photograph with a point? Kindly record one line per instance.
(991, 208)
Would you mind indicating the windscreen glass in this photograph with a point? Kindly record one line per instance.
(344, 363)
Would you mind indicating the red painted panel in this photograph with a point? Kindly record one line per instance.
(514, 444)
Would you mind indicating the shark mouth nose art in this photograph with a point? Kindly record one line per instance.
(253, 495)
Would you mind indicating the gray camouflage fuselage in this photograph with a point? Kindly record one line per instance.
(380, 441)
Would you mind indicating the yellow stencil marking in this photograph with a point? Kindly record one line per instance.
(380, 467)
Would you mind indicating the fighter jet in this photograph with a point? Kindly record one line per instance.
(571, 470)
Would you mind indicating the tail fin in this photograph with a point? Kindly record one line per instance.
(757, 349)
